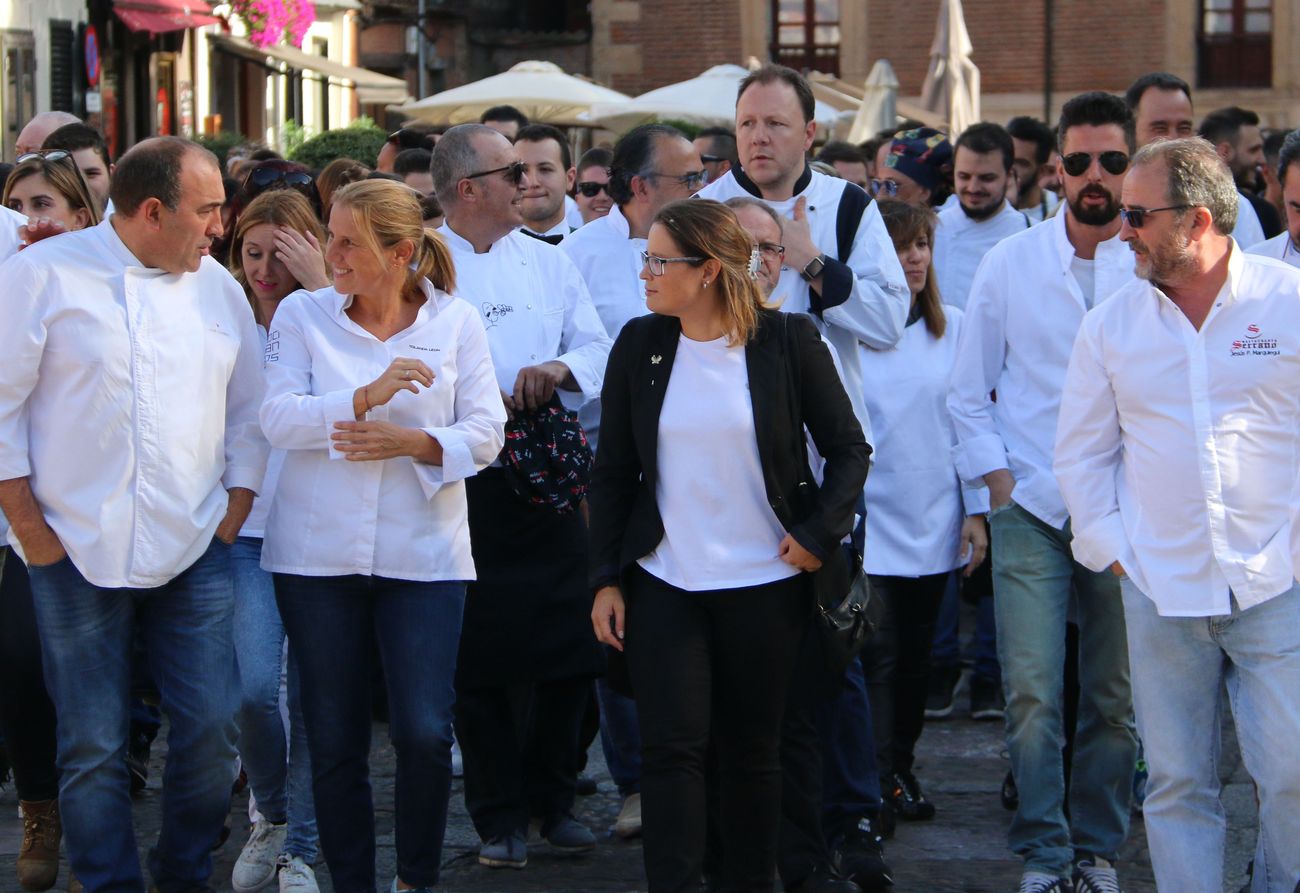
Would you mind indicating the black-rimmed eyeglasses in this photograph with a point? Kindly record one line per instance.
(514, 172)
(657, 264)
(1136, 218)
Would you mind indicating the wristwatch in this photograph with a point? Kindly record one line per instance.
(814, 268)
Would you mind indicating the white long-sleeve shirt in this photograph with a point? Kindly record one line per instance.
(874, 311)
(9, 245)
(1178, 449)
(1280, 247)
(129, 396)
(1024, 312)
(915, 501)
(1248, 232)
(395, 518)
(536, 309)
(960, 243)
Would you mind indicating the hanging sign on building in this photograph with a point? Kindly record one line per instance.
(92, 56)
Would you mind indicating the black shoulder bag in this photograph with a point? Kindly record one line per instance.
(841, 593)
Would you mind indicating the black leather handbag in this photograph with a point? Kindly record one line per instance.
(842, 600)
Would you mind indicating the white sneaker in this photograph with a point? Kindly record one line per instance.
(296, 876)
(255, 867)
(628, 823)
(1095, 875)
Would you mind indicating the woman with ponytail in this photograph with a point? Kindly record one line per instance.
(381, 392)
(705, 527)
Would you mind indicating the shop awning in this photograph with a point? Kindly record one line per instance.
(371, 87)
(161, 16)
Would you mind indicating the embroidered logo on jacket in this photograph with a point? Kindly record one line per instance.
(494, 313)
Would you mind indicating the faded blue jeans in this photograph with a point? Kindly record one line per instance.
(1033, 573)
(278, 767)
(1180, 665)
(86, 641)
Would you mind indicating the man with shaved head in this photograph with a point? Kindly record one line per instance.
(32, 137)
(130, 452)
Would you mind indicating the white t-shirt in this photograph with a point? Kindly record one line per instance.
(1085, 273)
(719, 531)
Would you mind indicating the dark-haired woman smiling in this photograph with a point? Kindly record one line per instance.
(701, 536)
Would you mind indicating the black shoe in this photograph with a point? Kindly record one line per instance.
(903, 796)
(825, 879)
(586, 786)
(945, 682)
(986, 699)
(860, 857)
(1010, 794)
(884, 822)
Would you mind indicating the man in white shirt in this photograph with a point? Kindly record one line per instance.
(130, 456)
(526, 644)
(1285, 246)
(982, 162)
(1034, 144)
(545, 150)
(1028, 299)
(1176, 455)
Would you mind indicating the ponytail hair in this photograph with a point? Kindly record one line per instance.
(386, 212)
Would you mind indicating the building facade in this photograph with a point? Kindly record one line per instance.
(41, 62)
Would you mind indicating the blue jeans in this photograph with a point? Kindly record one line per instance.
(1033, 573)
(946, 651)
(620, 738)
(278, 766)
(850, 775)
(1180, 665)
(86, 640)
(334, 624)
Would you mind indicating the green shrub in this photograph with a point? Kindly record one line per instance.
(221, 144)
(358, 143)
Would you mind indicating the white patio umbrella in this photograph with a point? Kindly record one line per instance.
(541, 90)
(879, 108)
(952, 84)
(708, 100)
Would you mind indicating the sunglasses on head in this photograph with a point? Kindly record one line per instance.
(592, 189)
(1112, 162)
(514, 172)
(44, 155)
(263, 177)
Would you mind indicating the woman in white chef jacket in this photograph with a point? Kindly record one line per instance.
(381, 392)
(921, 524)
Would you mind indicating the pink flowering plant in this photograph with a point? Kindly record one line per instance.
(270, 21)
(301, 14)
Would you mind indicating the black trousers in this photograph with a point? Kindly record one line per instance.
(520, 748)
(711, 666)
(25, 708)
(896, 664)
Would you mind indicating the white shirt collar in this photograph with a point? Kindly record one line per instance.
(115, 244)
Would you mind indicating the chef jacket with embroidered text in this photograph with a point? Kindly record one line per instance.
(536, 309)
(395, 518)
(915, 501)
(129, 395)
(1024, 312)
(1178, 449)
(960, 243)
(864, 300)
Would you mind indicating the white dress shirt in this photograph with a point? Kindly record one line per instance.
(960, 243)
(395, 518)
(561, 229)
(536, 308)
(9, 245)
(573, 213)
(129, 396)
(876, 309)
(1044, 209)
(255, 523)
(1024, 313)
(1280, 247)
(1248, 231)
(915, 501)
(1178, 449)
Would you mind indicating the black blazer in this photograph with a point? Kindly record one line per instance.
(625, 520)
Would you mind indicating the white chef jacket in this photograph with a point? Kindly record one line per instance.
(9, 245)
(395, 518)
(960, 243)
(1279, 247)
(536, 309)
(1044, 209)
(876, 308)
(573, 213)
(1248, 232)
(255, 523)
(915, 501)
(129, 396)
(1178, 449)
(1024, 312)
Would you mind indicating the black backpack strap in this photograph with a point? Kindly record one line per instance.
(837, 278)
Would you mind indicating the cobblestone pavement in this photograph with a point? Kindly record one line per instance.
(963, 849)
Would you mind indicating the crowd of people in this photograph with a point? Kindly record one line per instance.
(516, 450)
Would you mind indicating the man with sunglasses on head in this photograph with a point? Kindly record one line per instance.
(526, 649)
(591, 191)
(1176, 454)
(1027, 301)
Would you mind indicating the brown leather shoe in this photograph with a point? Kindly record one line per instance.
(38, 859)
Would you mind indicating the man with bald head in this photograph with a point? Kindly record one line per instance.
(32, 137)
(130, 452)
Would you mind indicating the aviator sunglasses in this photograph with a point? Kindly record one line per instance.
(1076, 163)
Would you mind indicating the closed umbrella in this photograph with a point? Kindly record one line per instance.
(879, 109)
(541, 90)
(952, 84)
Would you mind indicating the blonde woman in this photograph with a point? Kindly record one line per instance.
(381, 392)
(702, 535)
(48, 186)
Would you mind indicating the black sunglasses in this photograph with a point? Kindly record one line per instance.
(884, 187)
(514, 172)
(592, 189)
(712, 159)
(1137, 217)
(1112, 162)
(263, 177)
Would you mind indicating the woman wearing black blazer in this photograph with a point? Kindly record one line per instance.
(702, 518)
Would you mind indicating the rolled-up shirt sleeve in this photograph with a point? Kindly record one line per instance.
(1087, 457)
(246, 446)
(981, 351)
(584, 344)
(22, 344)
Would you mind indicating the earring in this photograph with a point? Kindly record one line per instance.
(706, 283)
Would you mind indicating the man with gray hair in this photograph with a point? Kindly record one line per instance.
(1285, 246)
(1176, 454)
